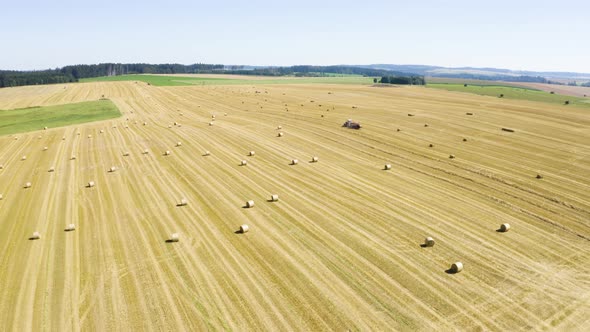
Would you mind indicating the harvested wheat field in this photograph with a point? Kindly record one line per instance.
(343, 249)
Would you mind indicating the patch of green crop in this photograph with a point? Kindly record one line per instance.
(509, 92)
(35, 118)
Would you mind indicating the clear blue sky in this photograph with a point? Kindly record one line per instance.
(533, 35)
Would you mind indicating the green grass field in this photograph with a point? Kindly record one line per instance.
(157, 80)
(35, 118)
(161, 80)
(511, 92)
(461, 81)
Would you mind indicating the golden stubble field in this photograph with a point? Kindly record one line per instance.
(341, 248)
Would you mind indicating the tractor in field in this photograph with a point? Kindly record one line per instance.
(351, 124)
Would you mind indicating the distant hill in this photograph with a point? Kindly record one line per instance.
(479, 73)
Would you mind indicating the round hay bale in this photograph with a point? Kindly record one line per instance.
(430, 145)
(224, 114)
(174, 237)
(169, 126)
(207, 153)
(90, 184)
(146, 151)
(426, 125)
(294, 162)
(1, 166)
(28, 185)
(167, 153)
(23, 158)
(464, 139)
(70, 227)
(457, 267)
(210, 123)
(451, 156)
(250, 204)
(63, 138)
(429, 242)
(183, 202)
(387, 167)
(244, 229)
(212, 116)
(51, 169)
(274, 198)
(176, 123)
(44, 128)
(539, 176)
(251, 153)
(145, 123)
(1, 197)
(73, 158)
(243, 163)
(399, 129)
(279, 127)
(35, 236)
(89, 136)
(504, 227)
(280, 134)
(102, 131)
(314, 159)
(78, 134)
(125, 154)
(178, 143)
(113, 169)
(45, 148)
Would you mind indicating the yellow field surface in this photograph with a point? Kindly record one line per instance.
(340, 250)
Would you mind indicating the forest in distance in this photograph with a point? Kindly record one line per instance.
(69, 74)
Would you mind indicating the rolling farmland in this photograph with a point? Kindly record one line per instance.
(514, 92)
(217, 79)
(340, 250)
(564, 90)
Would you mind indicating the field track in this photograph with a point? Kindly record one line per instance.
(341, 248)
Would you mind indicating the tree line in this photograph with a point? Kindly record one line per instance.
(314, 71)
(76, 72)
(17, 78)
(405, 80)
